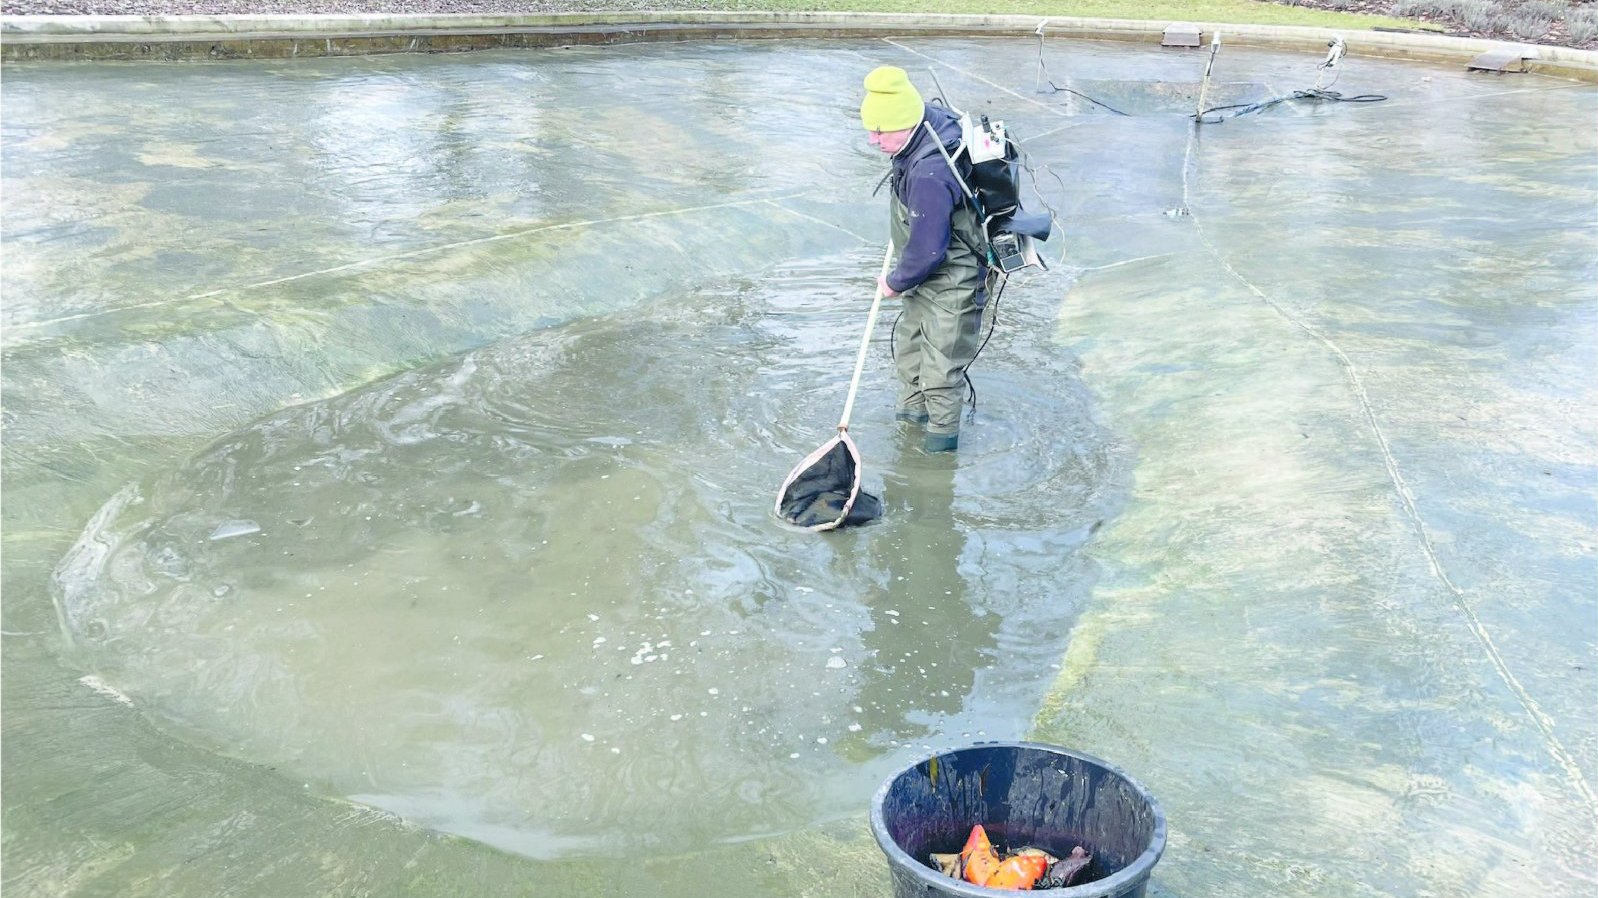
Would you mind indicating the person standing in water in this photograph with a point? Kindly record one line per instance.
(939, 271)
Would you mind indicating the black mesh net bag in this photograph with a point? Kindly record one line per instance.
(824, 492)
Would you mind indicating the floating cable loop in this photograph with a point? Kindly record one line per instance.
(1315, 94)
(1318, 93)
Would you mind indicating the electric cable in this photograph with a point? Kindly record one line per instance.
(1059, 89)
(993, 323)
(1028, 166)
(1044, 76)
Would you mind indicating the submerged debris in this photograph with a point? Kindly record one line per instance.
(981, 864)
(230, 529)
(1064, 872)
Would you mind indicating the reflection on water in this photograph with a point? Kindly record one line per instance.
(535, 596)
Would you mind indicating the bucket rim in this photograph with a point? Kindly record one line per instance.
(1109, 885)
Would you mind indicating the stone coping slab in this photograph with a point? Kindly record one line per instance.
(273, 36)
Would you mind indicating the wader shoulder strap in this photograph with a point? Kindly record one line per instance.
(970, 196)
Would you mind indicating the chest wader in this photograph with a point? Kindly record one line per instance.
(938, 334)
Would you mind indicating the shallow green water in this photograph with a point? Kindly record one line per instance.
(536, 595)
(371, 424)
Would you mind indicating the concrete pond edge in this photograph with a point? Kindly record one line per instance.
(199, 37)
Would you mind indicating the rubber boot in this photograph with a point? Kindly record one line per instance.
(912, 416)
(941, 442)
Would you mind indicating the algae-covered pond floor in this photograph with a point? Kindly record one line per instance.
(390, 443)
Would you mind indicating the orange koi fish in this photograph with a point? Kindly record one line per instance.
(980, 861)
(1019, 872)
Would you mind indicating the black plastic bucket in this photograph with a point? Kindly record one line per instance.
(1023, 794)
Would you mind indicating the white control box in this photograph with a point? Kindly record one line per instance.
(984, 140)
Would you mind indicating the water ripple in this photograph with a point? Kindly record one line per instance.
(535, 595)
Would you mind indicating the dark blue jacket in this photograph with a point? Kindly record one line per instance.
(923, 182)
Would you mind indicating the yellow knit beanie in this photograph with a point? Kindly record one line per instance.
(892, 103)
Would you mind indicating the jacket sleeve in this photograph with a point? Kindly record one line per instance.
(931, 202)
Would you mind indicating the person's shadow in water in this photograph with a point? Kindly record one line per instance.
(927, 637)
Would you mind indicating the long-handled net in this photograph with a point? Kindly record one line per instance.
(823, 491)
